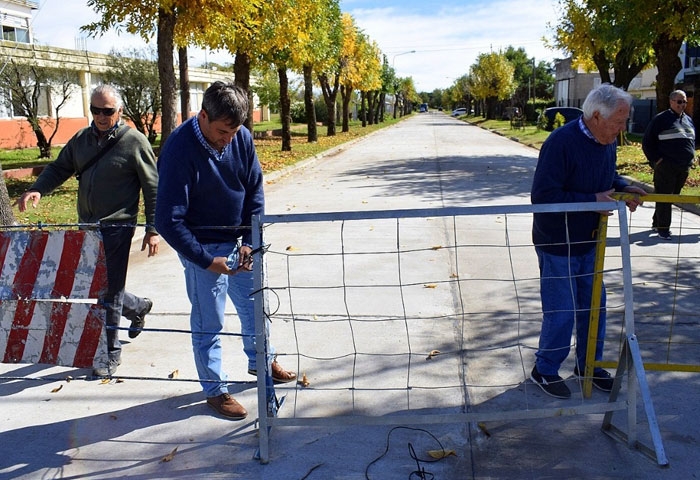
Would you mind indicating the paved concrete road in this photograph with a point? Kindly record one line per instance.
(90, 429)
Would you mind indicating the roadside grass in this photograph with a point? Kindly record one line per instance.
(631, 161)
(59, 207)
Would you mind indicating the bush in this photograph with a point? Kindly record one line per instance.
(559, 120)
(298, 112)
(541, 120)
(321, 110)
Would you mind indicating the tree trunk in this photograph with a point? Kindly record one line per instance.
(41, 141)
(601, 61)
(329, 96)
(397, 97)
(382, 107)
(241, 72)
(363, 108)
(668, 65)
(6, 216)
(185, 106)
(285, 110)
(312, 134)
(345, 94)
(166, 71)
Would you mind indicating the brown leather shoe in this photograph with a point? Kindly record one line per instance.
(279, 374)
(227, 406)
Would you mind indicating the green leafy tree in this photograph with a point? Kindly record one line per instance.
(267, 87)
(460, 93)
(33, 91)
(135, 75)
(492, 80)
(608, 34)
(532, 80)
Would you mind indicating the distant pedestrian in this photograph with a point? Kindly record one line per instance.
(211, 185)
(576, 164)
(114, 164)
(669, 145)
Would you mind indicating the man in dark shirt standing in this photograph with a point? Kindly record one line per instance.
(108, 194)
(669, 145)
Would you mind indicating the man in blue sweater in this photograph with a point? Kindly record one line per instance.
(576, 164)
(210, 186)
(669, 145)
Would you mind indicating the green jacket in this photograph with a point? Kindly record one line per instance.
(109, 190)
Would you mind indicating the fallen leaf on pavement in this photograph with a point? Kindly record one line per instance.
(432, 354)
(438, 454)
(170, 456)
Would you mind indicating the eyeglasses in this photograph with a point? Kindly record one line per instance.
(681, 102)
(107, 112)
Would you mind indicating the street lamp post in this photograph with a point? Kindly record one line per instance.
(393, 60)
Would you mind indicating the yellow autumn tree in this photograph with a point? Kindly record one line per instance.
(288, 37)
(369, 64)
(350, 67)
(491, 80)
(175, 23)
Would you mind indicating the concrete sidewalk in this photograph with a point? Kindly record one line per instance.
(152, 426)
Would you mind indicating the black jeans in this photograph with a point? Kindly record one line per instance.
(669, 178)
(117, 243)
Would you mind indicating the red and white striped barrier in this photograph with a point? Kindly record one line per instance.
(49, 281)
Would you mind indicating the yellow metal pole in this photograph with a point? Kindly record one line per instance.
(595, 306)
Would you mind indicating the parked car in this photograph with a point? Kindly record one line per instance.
(569, 113)
(423, 107)
(459, 111)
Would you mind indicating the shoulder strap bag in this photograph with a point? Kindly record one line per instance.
(120, 133)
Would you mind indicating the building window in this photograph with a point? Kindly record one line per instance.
(15, 34)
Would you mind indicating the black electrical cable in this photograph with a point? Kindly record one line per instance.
(421, 472)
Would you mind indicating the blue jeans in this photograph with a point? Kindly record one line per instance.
(566, 285)
(207, 292)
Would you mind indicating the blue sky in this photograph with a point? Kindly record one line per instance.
(447, 36)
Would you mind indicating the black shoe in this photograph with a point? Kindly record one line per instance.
(139, 322)
(107, 371)
(551, 384)
(664, 234)
(602, 380)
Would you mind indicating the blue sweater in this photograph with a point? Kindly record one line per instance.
(571, 168)
(198, 193)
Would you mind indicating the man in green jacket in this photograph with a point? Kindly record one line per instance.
(108, 195)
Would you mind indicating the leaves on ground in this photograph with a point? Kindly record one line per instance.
(170, 456)
(439, 454)
(432, 354)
